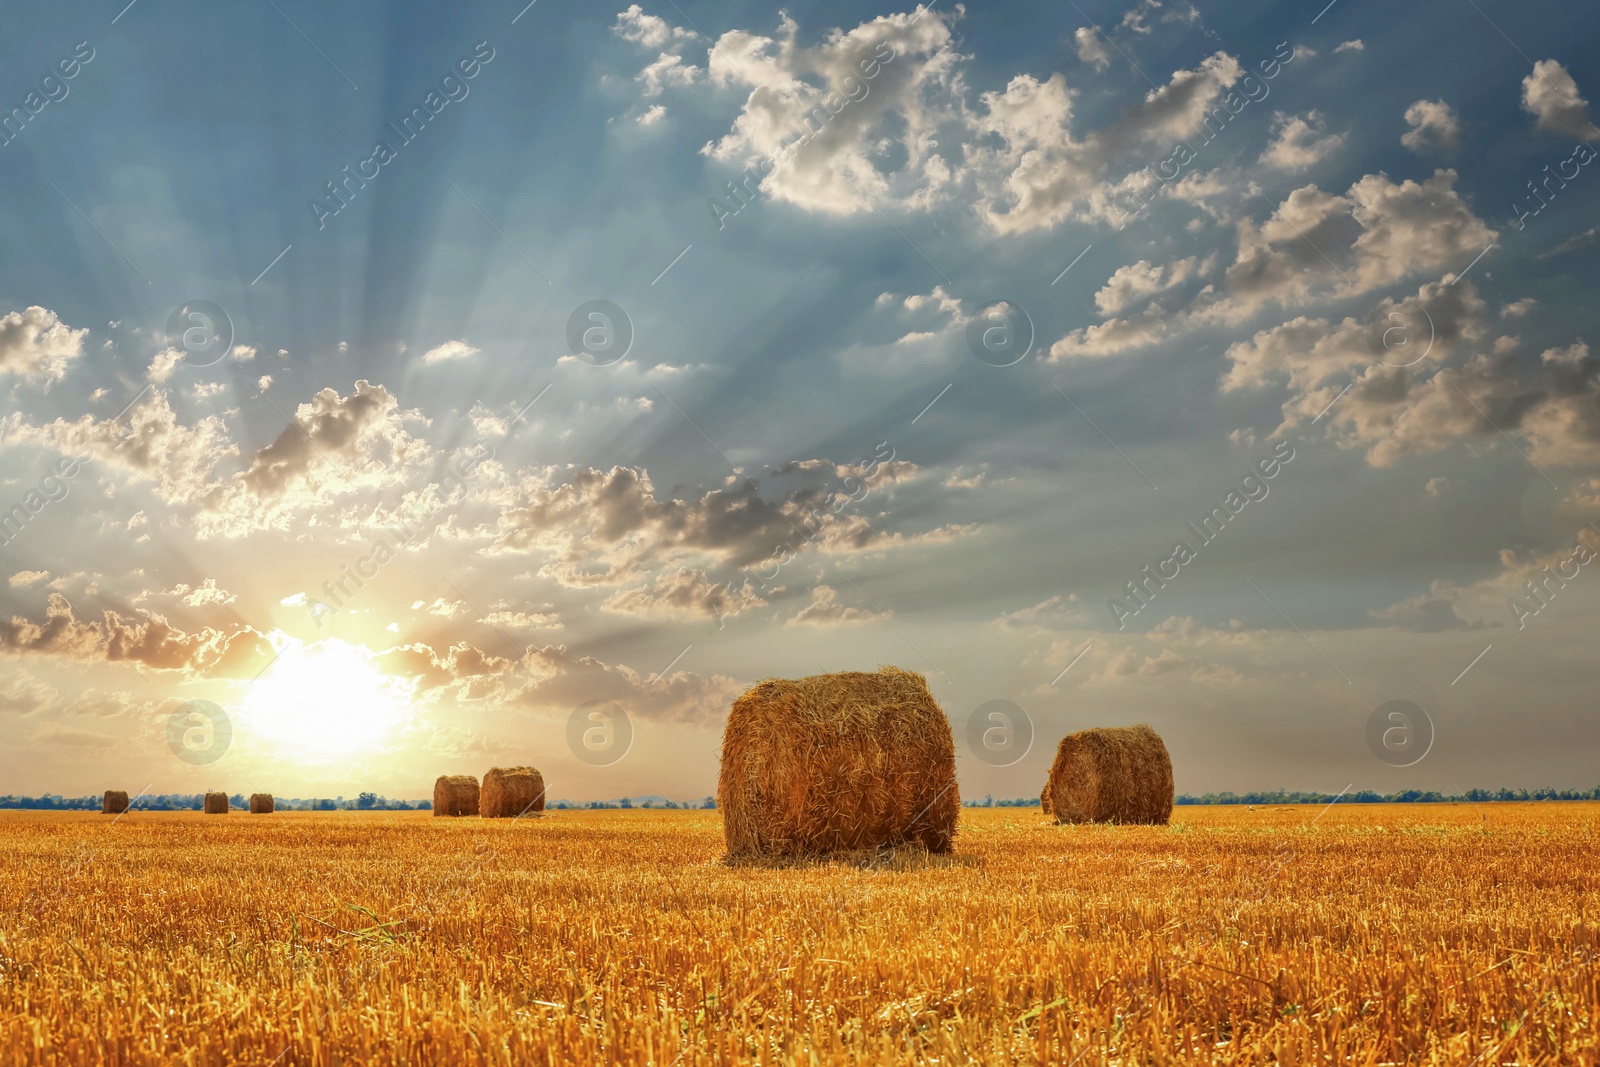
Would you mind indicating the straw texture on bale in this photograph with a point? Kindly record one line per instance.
(216, 803)
(1116, 774)
(260, 803)
(1044, 797)
(115, 802)
(455, 794)
(511, 792)
(838, 763)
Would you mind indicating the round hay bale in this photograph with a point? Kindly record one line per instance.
(114, 803)
(455, 794)
(216, 803)
(261, 804)
(1118, 774)
(1044, 798)
(511, 792)
(838, 763)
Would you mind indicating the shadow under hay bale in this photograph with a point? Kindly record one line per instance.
(511, 792)
(838, 763)
(261, 804)
(216, 804)
(912, 857)
(114, 803)
(455, 794)
(1044, 798)
(1118, 774)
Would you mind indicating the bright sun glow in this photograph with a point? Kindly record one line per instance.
(324, 698)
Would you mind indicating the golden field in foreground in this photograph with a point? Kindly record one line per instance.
(1425, 933)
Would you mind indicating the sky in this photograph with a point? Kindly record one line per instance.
(401, 389)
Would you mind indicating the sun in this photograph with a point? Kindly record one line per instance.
(323, 698)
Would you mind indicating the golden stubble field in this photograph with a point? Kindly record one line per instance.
(1366, 934)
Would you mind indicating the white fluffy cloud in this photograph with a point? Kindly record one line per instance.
(450, 350)
(825, 610)
(1300, 142)
(1434, 127)
(1550, 94)
(36, 345)
(1315, 247)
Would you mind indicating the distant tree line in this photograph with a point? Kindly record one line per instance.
(196, 802)
(363, 802)
(374, 802)
(1406, 796)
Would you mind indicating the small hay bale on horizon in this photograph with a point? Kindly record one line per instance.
(115, 802)
(1119, 774)
(1044, 798)
(261, 804)
(455, 794)
(838, 763)
(216, 804)
(511, 792)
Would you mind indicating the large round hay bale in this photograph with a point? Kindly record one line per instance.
(114, 803)
(260, 803)
(511, 792)
(455, 794)
(1044, 798)
(1118, 774)
(838, 763)
(216, 803)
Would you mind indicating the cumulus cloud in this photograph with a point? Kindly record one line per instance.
(1350, 46)
(1398, 412)
(1315, 247)
(686, 594)
(1133, 284)
(825, 610)
(1091, 48)
(330, 430)
(199, 595)
(35, 345)
(610, 527)
(146, 640)
(1440, 320)
(450, 350)
(1434, 128)
(1552, 97)
(881, 115)
(1300, 142)
(22, 578)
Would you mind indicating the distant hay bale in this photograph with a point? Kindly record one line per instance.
(838, 763)
(115, 802)
(1116, 774)
(216, 803)
(1044, 798)
(511, 792)
(261, 804)
(455, 794)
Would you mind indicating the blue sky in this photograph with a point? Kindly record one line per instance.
(1353, 209)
